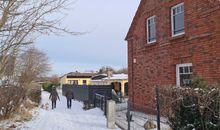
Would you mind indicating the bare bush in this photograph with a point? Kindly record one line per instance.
(10, 100)
(21, 22)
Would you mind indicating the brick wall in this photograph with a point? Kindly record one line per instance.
(156, 63)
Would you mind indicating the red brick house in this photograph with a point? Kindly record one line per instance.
(170, 42)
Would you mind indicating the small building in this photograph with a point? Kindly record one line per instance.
(119, 82)
(77, 78)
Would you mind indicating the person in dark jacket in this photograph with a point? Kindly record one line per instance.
(53, 97)
(69, 96)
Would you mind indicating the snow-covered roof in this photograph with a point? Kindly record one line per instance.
(115, 77)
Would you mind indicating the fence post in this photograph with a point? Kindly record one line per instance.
(95, 101)
(158, 107)
(105, 105)
(128, 116)
(101, 100)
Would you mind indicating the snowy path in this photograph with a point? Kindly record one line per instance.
(66, 119)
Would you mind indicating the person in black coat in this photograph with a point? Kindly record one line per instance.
(53, 97)
(69, 96)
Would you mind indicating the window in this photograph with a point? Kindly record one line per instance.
(151, 29)
(75, 82)
(184, 74)
(177, 14)
(84, 82)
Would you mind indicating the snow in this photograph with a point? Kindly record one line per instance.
(117, 77)
(62, 118)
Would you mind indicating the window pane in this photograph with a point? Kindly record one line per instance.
(178, 19)
(185, 74)
(185, 79)
(152, 33)
(181, 70)
(191, 69)
(186, 69)
(179, 23)
(151, 29)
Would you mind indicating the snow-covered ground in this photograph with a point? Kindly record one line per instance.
(62, 118)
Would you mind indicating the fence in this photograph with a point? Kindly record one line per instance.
(132, 116)
(186, 108)
(101, 102)
(88, 93)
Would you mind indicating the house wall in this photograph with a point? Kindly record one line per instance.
(155, 64)
(64, 80)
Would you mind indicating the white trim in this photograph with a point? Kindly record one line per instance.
(177, 72)
(172, 24)
(148, 42)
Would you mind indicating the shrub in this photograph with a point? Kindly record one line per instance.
(199, 82)
(47, 87)
(35, 96)
(10, 100)
(196, 107)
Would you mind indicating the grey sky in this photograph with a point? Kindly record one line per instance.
(109, 21)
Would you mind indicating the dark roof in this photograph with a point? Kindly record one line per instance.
(99, 76)
(80, 75)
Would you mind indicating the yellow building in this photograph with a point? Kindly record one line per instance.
(77, 78)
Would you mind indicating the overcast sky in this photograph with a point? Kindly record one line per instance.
(107, 21)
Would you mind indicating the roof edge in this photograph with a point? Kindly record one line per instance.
(134, 20)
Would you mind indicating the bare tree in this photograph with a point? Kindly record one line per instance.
(22, 21)
(54, 79)
(31, 65)
(105, 69)
(122, 70)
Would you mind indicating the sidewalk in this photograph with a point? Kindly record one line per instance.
(62, 118)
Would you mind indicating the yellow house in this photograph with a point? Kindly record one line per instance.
(77, 78)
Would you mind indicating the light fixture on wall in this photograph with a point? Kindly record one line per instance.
(134, 60)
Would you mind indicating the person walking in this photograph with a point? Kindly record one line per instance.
(69, 96)
(53, 97)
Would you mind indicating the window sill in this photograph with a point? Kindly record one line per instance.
(177, 37)
(150, 44)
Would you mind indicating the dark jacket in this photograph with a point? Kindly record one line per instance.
(54, 95)
(69, 95)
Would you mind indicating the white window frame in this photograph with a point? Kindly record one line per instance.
(149, 42)
(172, 21)
(178, 73)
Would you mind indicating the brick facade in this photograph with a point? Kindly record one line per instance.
(156, 63)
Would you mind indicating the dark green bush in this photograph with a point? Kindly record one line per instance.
(47, 87)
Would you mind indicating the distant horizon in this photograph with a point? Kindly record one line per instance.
(103, 46)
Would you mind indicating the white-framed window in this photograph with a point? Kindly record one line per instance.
(177, 19)
(151, 29)
(184, 74)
